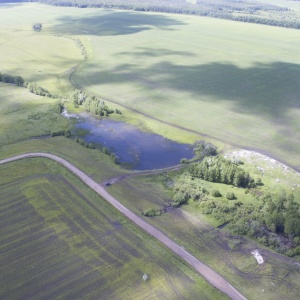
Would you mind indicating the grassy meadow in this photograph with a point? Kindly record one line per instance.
(58, 239)
(234, 82)
(41, 57)
(24, 115)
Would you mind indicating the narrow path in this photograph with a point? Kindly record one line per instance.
(210, 275)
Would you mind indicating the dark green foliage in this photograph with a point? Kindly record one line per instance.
(273, 219)
(66, 133)
(216, 193)
(114, 158)
(38, 90)
(59, 107)
(203, 148)
(91, 146)
(7, 78)
(185, 189)
(77, 97)
(230, 196)
(18, 80)
(184, 161)
(91, 103)
(105, 150)
(218, 169)
(83, 143)
(180, 198)
(243, 10)
(152, 212)
(293, 252)
(259, 182)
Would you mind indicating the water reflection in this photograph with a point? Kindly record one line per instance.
(135, 148)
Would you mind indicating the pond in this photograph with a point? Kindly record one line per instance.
(135, 149)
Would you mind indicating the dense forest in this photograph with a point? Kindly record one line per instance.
(243, 10)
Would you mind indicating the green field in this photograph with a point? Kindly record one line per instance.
(60, 240)
(41, 57)
(232, 81)
(228, 254)
(24, 115)
(235, 82)
(228, 82)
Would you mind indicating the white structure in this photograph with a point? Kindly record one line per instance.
(145, 277)
(258, 257)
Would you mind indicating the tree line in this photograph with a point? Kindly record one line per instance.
(33, 87)
(243, 10)
(91, 103)
(220, 170)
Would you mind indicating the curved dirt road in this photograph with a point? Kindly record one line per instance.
(210, 275)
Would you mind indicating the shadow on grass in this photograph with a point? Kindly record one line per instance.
(110, 23)
(268, 90)
(158, 52)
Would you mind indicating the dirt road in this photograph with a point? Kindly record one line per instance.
(210, 275)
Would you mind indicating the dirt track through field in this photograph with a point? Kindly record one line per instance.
(210, 275)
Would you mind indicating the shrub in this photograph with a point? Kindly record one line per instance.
(259, 182)
(105, 150)
(230, 196)
(18, 80)
(152, 212)
(216, 193)
(183, 160)
(7, 78)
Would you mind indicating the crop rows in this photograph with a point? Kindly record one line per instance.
(57, 242)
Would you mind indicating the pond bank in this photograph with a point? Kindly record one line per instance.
(136, 149)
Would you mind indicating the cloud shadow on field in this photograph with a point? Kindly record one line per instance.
(269, 90)
(113, 23)
(157, 52)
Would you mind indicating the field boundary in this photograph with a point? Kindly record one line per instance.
(210, 275)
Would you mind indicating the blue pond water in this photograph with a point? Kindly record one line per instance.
(137, 149)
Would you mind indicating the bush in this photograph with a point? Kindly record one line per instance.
(152, 212)
(230, 196)
(259, 182)
(216, 193)
(66, 133)
(105, 150)
(58, 107)
(293, 252)
(7, 78)
(18, 80)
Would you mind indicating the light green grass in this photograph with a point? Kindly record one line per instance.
(58, 239)
(39, 57)
(24, 115)
(233, 81)
(97, 165)
(275, 175)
